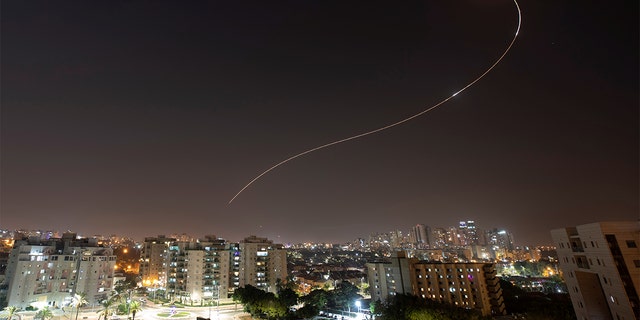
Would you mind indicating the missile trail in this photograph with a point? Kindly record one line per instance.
(398, 122)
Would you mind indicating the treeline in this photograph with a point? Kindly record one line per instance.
(410, 307)
(268, 305)
(536, 306)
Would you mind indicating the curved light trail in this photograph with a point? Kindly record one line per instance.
(398, 122)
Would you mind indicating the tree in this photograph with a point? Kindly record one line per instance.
(121, 295)
(252, 298)
(10, 311)
(272, 307)
(134, 306)
(288, 297)
(317, 298)
(123, 286)
(106, 307)
(552, 307)
(45, 314)
(78, 301)
(364, 288)
(404, 306)
(261, 304)
(345, 294)
(287, 283)
(376, 307)
(307, 312)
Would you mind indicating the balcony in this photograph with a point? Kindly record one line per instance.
(576, 244)
(582, 262)
(493, 282)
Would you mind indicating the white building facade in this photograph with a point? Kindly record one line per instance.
(153, 261)
(49, 273)
(261, 263)
(210, 268)
(601, 265)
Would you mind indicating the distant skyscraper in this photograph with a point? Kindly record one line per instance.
(396, 239)
(453, 236)
(601, 265)
(420, 234)
(468, 233)
(439, 238)
(499, 239)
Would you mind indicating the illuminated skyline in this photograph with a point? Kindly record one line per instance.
(144, 118)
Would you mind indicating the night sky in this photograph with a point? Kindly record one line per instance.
(141, 118)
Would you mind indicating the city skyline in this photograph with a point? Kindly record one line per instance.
(146, 118)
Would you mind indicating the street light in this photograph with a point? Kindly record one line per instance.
(358, 304)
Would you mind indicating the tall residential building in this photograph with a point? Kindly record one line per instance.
(420, 236)
(499, 239)
(455, 237)
(468, 233)
(499, 243)
(262, 263)
(601, 265)
(439, 238)
(389, 277)
(49, 272)
(466, 285)
(198, 271)
(153, 261)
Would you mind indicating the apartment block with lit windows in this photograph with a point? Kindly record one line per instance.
(466, 285)
(153, 261)
(262, 263)
(601, 266)
(210, 268)
(390, 277)
(49, 272)
(198, 271)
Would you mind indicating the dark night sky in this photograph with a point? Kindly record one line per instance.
(145, 118)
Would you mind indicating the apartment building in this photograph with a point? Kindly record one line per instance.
(390, 277)
(467, 285)
(198, 271)
(601, 265)
(49, 272)
(211, 268)
(262, 263)
(153, 261)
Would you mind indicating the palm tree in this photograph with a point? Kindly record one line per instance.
(45, 313)
(78, 301)
(134, 306)
(10, 311)
(106, 307)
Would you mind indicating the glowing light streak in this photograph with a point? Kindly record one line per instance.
(398, 122)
